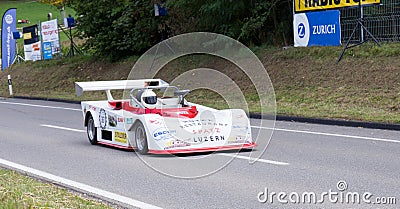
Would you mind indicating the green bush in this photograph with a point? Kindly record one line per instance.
(116, 29)
(121, 28)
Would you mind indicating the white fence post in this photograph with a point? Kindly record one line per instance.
(10, 85)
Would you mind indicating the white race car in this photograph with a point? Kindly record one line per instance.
(157, 119)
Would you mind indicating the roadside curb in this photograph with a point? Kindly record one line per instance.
(47, 99)
(322, 121)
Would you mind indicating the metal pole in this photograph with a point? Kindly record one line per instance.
(17, 56)
(72, 43)
(58, 51)
(10, 85)
(362, 20)
(40, 42)
(293, 8)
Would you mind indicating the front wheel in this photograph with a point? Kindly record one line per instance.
(140, 138)
(91, 130)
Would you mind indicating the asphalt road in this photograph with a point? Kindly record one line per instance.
(300, 158)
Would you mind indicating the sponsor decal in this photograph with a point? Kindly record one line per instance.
(201, 139)
(206, 131)
(92, 107)
(241, 128)
(237, 139)
(129, 120)
(120, 120)
(112, 121)
(120, 137)
(156, 121)
(175, 144)
(163, 133)
(205, 122)
(102, 118)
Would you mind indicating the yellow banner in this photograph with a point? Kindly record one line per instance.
(311, 5)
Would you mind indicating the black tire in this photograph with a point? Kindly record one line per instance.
(91, 130)
(140, 138)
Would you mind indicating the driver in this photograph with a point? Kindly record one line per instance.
(148, 98)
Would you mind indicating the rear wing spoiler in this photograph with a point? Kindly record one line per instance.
(80, 87)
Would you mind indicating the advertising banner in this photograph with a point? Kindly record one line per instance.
(8, 44)
(30, 34)
(49, 31)
(317, 29)
(47, 51)
(31, 43)
(313, 5)
(32, 51)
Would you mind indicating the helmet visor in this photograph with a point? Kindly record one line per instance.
(150, 100)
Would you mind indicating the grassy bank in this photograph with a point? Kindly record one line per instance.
(365, 85)
(19, 191)
(33, 11)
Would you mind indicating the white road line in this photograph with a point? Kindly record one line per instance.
(43, 106)
(63, 128)
(253, 159)
(330, 134)
(76, 185)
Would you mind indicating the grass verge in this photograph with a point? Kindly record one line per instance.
(19, 191)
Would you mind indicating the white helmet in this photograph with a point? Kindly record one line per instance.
(148, 98)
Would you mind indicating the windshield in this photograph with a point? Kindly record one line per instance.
(167, 92)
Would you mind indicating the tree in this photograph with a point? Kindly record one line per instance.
(116, 28)
(249, 21)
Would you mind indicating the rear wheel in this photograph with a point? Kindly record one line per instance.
(91, 130)
(140, 138)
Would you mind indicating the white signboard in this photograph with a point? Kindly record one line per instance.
(32, 51)
(49, 30)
